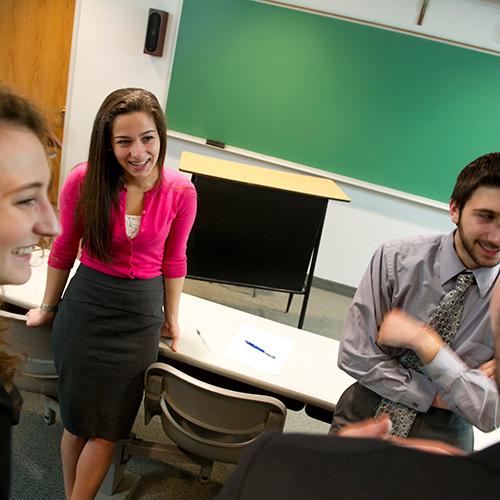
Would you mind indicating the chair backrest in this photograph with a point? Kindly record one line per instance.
(36, 372)
(207, 420)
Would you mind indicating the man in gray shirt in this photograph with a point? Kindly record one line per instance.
(296, 466)
(453, 386)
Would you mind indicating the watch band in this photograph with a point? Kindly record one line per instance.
(48, 308)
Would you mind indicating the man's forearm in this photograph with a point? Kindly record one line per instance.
(402, 331)
(427, 345)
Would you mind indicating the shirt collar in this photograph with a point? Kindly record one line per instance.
(450, 265)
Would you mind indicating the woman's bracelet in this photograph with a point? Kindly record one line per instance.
(48, 308)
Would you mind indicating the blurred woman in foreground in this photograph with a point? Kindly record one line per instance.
(25, 215)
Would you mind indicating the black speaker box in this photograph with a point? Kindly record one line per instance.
(155, 32)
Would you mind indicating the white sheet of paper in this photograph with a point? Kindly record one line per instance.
(276, 346)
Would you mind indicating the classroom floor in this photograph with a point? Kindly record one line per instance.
(36, 467)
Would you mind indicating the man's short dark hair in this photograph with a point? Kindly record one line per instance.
(483, 171)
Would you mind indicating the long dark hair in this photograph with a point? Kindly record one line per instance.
(104, 176)
(16, 111)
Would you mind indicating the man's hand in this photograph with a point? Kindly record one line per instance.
(399, 329)
(369, 428)
(489, 369)
(428, 445)
(380, 428)
(439, 402)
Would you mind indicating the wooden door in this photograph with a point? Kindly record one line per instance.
(35, 46)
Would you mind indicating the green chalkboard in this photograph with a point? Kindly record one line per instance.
(383, 107)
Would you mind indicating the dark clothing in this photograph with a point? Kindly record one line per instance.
(358, 403)
(301, 466)
(105, 335)
(10, 404)
(5, 439)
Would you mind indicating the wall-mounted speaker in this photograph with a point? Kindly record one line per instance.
(155, 32)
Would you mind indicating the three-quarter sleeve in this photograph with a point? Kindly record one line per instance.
(65, 247)
(174, 258)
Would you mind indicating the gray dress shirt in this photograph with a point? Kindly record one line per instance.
(413, 274)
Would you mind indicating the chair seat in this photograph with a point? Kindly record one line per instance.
(206, 420)
(37, 372)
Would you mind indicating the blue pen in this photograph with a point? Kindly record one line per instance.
(251, 344)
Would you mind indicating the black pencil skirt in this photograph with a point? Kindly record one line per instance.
(105, 335)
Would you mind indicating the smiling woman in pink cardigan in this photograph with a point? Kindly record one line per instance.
(132, 218)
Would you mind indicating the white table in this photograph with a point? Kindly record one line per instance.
(310, 373)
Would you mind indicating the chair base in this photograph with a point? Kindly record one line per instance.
(122, 491)
(163, 452)
(51, 410)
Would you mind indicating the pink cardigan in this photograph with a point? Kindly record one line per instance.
(160, 246)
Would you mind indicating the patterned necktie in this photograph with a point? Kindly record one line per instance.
(445, 321)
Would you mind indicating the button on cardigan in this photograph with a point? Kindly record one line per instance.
(159, 249)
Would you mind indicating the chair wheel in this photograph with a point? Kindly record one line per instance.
(50, 417)
(205, 473)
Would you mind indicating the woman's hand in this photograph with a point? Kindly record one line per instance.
(171, 330)
(37, 317)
